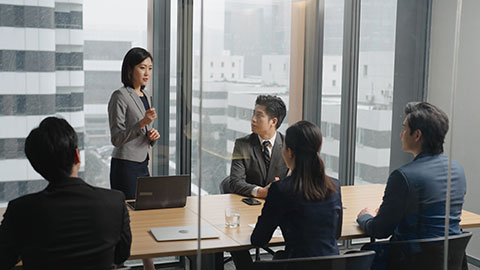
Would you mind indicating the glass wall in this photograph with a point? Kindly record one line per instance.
(332, 84)
(62, 58)
(245, 53)
(375, 91)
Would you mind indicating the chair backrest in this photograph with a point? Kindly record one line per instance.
(353, 261)
(428, 253)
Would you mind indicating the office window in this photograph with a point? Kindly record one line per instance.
(334, 82)
(68, 68)
(374, 109)
(211, 64)
(222, 64)
(254, 35)
(334, 68)
(331, 96)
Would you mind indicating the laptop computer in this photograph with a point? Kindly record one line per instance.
(161, 192)
(183, 233)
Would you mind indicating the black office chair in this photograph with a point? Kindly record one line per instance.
(427, 253)
(355, 261)
(225, 186)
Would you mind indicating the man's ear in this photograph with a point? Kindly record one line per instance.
(275, 121)
(76, 158)
(418, 135)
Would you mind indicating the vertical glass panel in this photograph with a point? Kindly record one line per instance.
(375, 90)
(66, 63)
(173, 88)
(107, 38)
(245, 53)
(332, 84)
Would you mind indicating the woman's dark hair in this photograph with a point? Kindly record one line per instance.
(133, 57)
(305, 140)
(51, 147)
(431, 121)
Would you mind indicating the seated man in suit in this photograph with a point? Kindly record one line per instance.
(413, 205)
(257, 158)
(70, 224)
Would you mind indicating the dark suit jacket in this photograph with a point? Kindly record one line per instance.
(413, 205)
(248, 167)
(69, 225)
(310, 228)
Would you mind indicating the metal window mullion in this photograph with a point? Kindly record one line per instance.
(312, 91)
(348, 118)
(184, 86)
(161, 84)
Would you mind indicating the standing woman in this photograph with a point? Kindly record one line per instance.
(130, 116)
(306, 205)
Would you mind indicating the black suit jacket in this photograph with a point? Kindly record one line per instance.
(248, 167)
(310, 228)
(69, 225)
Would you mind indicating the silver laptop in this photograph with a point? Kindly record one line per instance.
(161, 192)
(183, 233)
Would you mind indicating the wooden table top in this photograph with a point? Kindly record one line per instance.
(354, 199)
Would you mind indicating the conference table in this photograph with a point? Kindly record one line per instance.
(354, 199)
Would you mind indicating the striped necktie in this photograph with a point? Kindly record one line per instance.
(266, 154)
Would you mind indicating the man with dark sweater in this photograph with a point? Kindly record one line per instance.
(70, 224)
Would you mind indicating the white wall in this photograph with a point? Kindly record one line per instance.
(466, 121)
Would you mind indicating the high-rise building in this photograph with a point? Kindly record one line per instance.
(41, 69)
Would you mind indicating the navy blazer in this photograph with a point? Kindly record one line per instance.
(413, 205)
(310, 228)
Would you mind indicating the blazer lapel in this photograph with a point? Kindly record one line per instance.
(257, 151)
(138, 102)
(276, 156)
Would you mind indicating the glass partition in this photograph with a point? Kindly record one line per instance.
(65, 63)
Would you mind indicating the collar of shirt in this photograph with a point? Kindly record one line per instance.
(272, 141)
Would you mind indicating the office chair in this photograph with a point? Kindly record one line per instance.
(355, 261)
(426, 253)
(225, 186)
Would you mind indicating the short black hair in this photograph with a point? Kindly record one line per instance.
(51, 148)
(274, 106)
(431, 121)
(133, 57)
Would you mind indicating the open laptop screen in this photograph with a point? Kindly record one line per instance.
(159, 192)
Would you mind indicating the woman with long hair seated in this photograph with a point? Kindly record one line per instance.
(307, 204)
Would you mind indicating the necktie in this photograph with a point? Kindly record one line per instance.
(266, 154)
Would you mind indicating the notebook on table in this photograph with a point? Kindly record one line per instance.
(183, 233)
(159, 192)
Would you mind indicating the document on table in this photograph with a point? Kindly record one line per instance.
(276, 233)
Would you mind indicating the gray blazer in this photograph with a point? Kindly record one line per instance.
(248, 167)
(125, 110)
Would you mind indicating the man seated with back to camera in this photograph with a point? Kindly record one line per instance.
(413, 205)
(70, 224)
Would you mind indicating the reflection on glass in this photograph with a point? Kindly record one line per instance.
(332, 84)
(66, 65)
(245, 53)
(375, 91)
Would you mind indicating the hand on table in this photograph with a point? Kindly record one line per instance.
(367, 211)
(263, 191)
